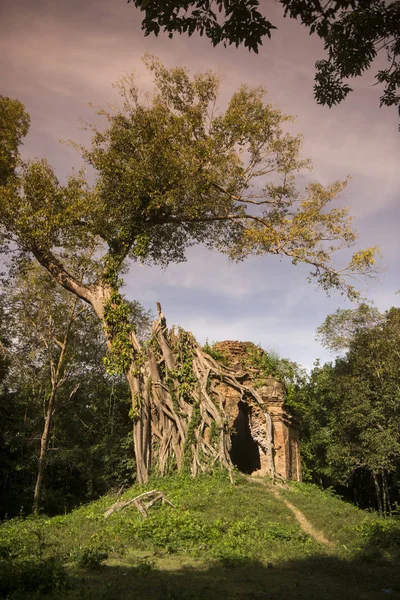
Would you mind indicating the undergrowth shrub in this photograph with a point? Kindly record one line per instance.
(382, 534)
(90, 557)
(172, 530)
(32, 576)
(221, 538)
(93, 554)
(23, 537)
(143, 566)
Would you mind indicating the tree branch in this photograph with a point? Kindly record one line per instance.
(50, 262)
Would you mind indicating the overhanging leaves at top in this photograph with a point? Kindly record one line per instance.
(353, 32)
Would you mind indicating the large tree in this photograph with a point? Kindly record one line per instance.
(339, 330)
(171, 172)
(354, 32)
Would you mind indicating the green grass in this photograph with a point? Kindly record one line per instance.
(355, 532)
(220, 541)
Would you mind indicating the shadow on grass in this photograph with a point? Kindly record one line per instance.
(319, 578)
(373, 574)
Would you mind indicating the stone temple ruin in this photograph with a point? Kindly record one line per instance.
(200, 408)
(255, 426)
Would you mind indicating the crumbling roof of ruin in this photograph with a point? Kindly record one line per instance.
(239, 358)
(236, 355)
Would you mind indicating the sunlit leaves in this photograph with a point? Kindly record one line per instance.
(340, 328)
(172, 171)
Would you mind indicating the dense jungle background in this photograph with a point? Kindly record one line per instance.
(348, 409)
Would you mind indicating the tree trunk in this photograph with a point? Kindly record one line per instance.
(56, 381)
(384, 498)
(386, 492)
(44, 440)
(378, 493)
(141, 428)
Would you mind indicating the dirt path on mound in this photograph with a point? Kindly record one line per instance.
(304, 523)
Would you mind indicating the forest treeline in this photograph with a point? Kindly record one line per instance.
(66, 424)
(350, 409)
(60, 413)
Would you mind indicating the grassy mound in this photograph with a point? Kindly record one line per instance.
(220, 541)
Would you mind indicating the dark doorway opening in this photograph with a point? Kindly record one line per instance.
(244, 452)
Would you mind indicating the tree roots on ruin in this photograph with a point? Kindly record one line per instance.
(180, 418)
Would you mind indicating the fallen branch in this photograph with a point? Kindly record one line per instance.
(139, 501)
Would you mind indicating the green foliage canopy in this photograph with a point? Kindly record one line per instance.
(171, 172)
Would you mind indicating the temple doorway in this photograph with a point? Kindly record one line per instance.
(244, 451)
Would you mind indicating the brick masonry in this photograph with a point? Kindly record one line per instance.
(246, 417)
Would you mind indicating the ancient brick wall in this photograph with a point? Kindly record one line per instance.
(254, 423)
